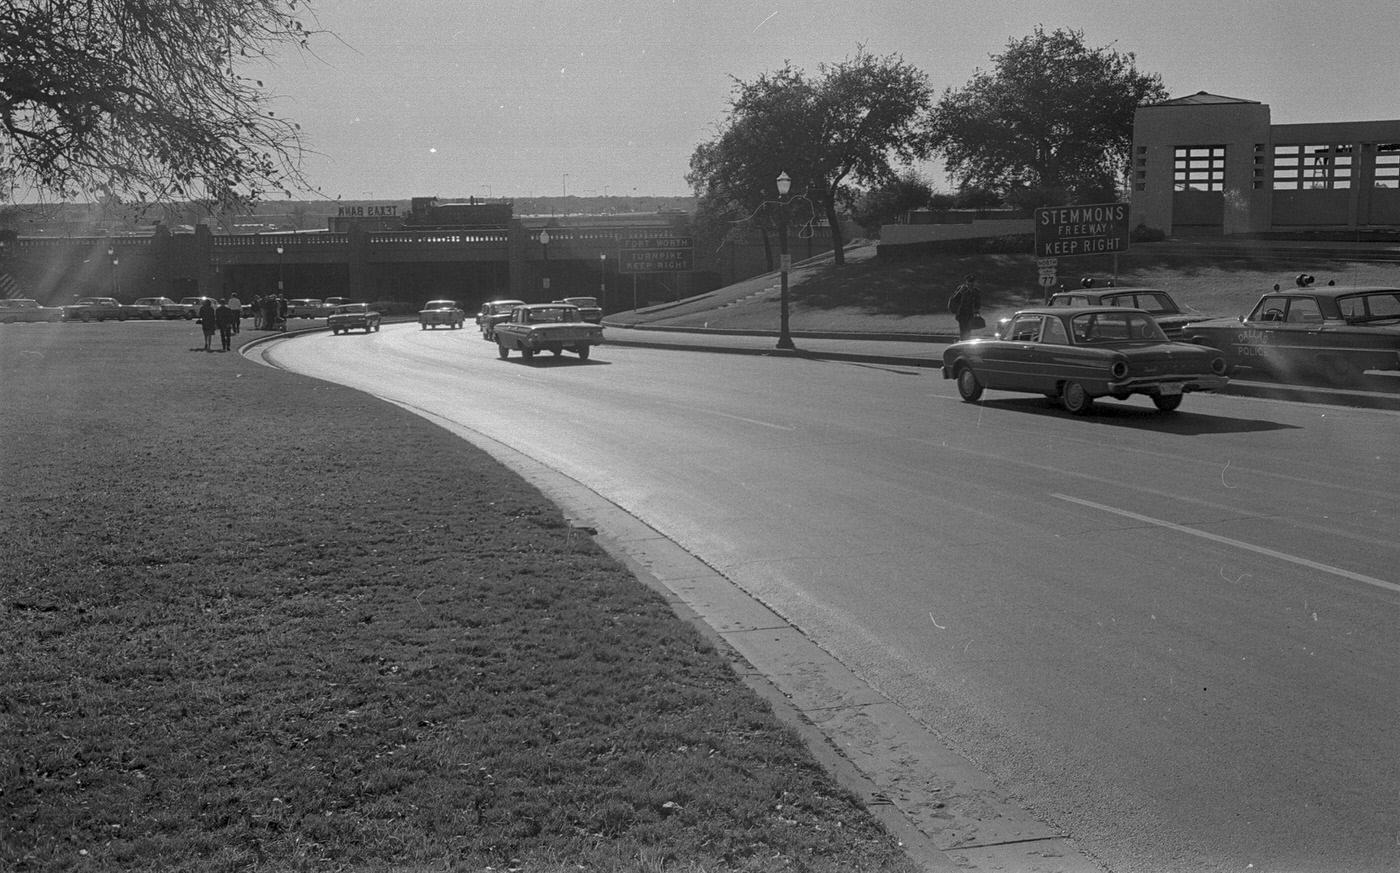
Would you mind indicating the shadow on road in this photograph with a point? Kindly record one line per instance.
(1115, 413)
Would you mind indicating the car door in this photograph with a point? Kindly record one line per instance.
(1019, 354)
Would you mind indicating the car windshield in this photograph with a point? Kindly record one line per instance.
(1115, 327)
(352, 307)
(1375, 306)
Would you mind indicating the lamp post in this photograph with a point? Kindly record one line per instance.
(544, 241)
(784, 261)
(280, 274)
(603, 280)
(116, 286)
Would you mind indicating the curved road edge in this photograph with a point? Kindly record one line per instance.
(946, 814)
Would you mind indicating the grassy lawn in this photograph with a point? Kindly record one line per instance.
(251, 621)
(910, 295)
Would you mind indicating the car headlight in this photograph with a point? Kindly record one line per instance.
(1218, 366)
(1119, 370)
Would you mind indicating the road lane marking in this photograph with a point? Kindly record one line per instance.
(1239, 544)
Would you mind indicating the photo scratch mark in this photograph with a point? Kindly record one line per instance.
(1222, 475)
(935, 622)
(764, 21)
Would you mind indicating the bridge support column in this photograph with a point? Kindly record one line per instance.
(357, 263)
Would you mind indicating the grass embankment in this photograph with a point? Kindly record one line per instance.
(910, 295)
(251, 621)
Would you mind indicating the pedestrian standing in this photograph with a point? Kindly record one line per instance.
(269, 312)
(225, 319)
(236, 306)
(208, 322)
(966, 305)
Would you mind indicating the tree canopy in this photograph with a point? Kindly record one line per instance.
(1053, 117)
(855, 122)
(144, 101)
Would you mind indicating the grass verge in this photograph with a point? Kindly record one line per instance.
(252, 621)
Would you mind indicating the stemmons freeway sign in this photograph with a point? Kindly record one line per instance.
(1096, 229)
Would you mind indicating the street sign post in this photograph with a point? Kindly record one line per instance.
(1067, 231)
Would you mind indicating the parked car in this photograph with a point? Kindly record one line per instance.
(190, 306)
(554, 327)
(95, 309)
(25, 309)
(588, 308)
(1333, 332)
(1076, 354)
(436, 312)
(492, 314)
(155, 307)
(332, 302)
(306, 307)
(1156, 302)
(353, 316)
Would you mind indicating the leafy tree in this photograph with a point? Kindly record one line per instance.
(888, 203)
(849, 125)
(1053, 119)
(144, 100)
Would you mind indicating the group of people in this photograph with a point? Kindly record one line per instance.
(224, 318)
(269, 311)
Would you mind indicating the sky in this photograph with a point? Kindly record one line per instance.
(502, 98)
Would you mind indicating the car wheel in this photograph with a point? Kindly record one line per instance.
(1167, 402)
(557, 352)
(1076, 399)
(527, 354)
(583, 352)
(969, 387)
(85, 316)
(422, 327)
(505, 352)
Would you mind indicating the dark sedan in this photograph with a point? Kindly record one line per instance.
(1159, 304)
(1076, 354)
(95, 309)
(353, 316)
(1334, 332)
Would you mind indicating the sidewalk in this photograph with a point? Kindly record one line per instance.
(1380, 391)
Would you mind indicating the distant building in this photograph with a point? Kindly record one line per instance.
(1212, 165)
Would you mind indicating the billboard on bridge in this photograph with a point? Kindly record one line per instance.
(655, 250)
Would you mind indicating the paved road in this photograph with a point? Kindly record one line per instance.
(1173, 638)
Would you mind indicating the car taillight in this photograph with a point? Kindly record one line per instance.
(1119, 370)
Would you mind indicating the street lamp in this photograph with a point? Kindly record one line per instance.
(603, 280)
(544, 241)
(116, 286)
(280, 274)
(784, 261)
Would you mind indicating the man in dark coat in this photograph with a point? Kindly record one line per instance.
(966, 304)
(225, 319)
